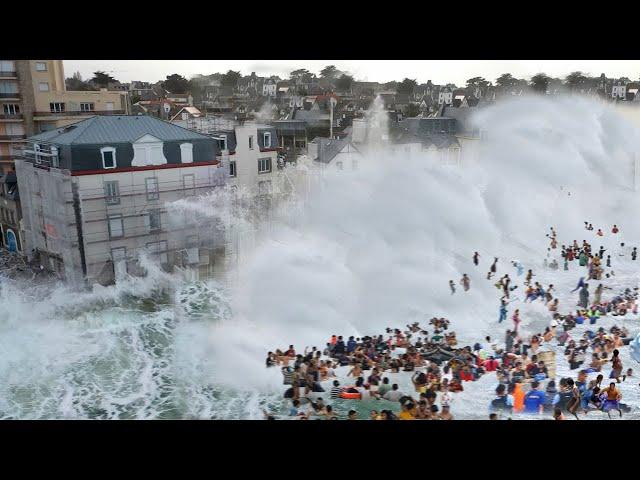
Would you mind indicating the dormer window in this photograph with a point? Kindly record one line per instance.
(186, 152)
(108, 157)
(267, 140)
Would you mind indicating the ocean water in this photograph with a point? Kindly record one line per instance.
(367, 249)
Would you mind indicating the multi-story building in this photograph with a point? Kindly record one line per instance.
(11, 238)
(94, 195)
(34, 99)
(619, 91)
(249, 154)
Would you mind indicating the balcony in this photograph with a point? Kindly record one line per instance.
(12, 138)
(10, 96)
(8, 75)
(10, 116)
(75, 113)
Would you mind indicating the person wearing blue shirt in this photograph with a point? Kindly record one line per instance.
(534, 399)
(351, 345)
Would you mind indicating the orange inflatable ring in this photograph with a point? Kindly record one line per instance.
(350, 395)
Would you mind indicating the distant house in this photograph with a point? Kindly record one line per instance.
(338, 154)
(619, 91)
(445, 96)
(269, 88)
(187, 113)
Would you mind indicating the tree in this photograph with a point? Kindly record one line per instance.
(176, 83)
(406, 86)
(540, 82)
(102, 79)
(344, 83)
(76, 84)
(412, 110)
(329, 72)
(506, 80)
(299, 74)
(391, 85)
(575, 80)
(230, 79)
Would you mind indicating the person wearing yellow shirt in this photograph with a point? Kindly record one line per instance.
(406, 413)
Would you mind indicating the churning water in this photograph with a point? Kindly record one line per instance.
(369, 248)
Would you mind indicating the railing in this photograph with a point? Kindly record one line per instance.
(12, 137)
(8, 74)
(72, 113)
(9, 95)
(10, 116)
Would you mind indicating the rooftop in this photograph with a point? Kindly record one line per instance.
(116, 129)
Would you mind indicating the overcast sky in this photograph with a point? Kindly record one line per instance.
(438, 71)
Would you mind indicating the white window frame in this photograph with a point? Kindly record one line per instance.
(340, 165)
(11, 109)
(159, 248)
(233, 171)
(223, 138)
(186, 152)
(267, 161)
(43, 86)
(250, 142)
(189, 191)
(267, 135)
(57, 107)
(115, 218)
(103, 150)
(156, 214)
(152, 194)
(41, 64)
(83, 108)
(110, 197)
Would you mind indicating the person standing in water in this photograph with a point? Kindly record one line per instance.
(634, 253)
(452, 286)
(527, 280)
(608, 260)
(516, 320)
(616, 366)
(503, 311)
(615, 229)
(466, 282)
(476, 257)
(493, 268)
(584, 296)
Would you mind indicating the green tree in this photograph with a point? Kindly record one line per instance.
(412, 110)
(506, 80)
(478, 82)
(329, 72)
(344, 83)
(176, 83)
(76, 84)
(102, 79)
(540, 82)
(230, 79)
(575, 80)
(406, 86)
(299, 74)
(390, 85)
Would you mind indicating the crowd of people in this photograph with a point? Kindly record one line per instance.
(439, 367)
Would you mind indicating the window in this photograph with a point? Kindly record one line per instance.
(87, 107)
(11, 109)
(112, 193)
(151, 184)
(7, 66)
(56, 107)
(264, 165)
(339, 165)
(160, 249)
(354, 164)
(41, 66)
(110, 105)
(153, 220)
(232, 169)
(14, 129)
(267, 140)
(222, 142)
(116, 226)
(250, 142)
(186, 152)
(43, 86)
(264, 187)
(189, 184)
(8, 87)
(108, 157)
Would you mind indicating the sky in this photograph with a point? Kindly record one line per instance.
(438, 71)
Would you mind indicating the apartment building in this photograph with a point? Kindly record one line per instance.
(249, 156)
(34, 99)
(94, 195)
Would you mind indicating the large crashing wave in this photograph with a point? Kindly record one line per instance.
(377, 247)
